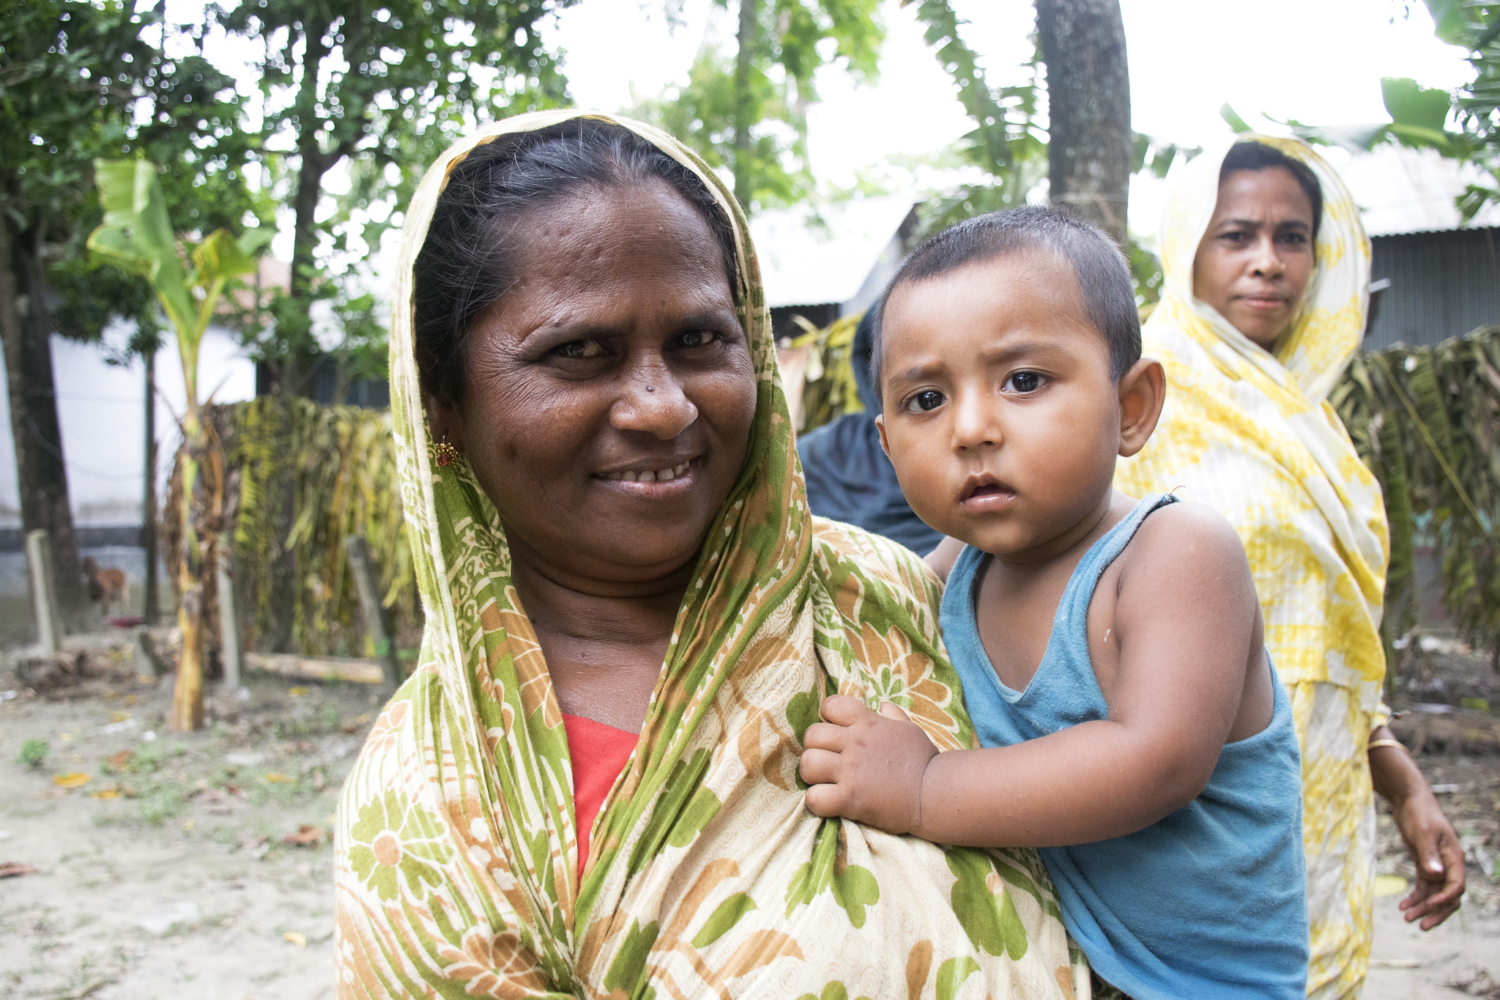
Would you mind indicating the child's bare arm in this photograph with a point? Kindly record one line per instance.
(941, 559)
(1187, 619)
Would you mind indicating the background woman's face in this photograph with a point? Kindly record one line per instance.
(1256, 257)
(609, 394)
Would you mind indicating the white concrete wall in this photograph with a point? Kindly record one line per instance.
(102, 412)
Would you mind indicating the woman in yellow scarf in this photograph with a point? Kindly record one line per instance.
(612, 540)
(1267, 272)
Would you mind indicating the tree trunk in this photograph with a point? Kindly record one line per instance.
(152, 611)
(1088, 97)
(187, 694)
(41, 476)
(292, 374)
(743, 64)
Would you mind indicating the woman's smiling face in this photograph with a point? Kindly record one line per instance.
(1256, 257)
(609, 394)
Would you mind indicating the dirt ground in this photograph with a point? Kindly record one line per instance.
(1461, 957)
(199, 865)
(186, 865)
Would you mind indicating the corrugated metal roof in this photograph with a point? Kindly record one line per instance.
(1442, 284)
(804, 263)
(1401, 190)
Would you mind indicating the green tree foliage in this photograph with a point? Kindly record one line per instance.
(764, 91)
(1475, 26)
(386, 87)
(80, 80)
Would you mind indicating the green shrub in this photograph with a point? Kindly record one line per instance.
(33, 753)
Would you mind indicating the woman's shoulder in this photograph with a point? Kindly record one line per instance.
(842, 550)
(383, 788)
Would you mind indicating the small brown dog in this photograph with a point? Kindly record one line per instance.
(106, 585)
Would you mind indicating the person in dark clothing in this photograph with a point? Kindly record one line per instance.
(848, 476)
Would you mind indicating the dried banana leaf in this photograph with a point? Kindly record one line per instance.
(1427, 422)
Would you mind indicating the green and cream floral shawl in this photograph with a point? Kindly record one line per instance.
(456, 849)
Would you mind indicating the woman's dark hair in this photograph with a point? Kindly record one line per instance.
(471, 253)
(1259, 156)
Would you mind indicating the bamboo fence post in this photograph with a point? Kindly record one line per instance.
(229, 622)
(49, 629)
(147, 663)
(362, 564)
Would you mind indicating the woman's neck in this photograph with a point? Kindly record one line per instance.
(604, 640)
(600, 610)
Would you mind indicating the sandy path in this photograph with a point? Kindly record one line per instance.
(187, 889)
(1410, 965)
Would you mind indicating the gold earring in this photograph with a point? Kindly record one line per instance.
(446, 453)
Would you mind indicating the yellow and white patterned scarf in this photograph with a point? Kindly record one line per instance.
(1253, 435)
(456, 854)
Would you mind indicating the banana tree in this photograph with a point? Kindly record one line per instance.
(137, 237)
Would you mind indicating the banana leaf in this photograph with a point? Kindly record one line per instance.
(1426, 420)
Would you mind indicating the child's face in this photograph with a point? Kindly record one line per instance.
(1001, 417)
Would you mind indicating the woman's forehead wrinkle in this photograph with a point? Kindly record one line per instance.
(607, 305)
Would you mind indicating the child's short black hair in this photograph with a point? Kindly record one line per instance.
(1103, 276)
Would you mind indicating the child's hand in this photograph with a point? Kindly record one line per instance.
(866, 767)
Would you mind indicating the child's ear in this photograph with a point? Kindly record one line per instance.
(1143, 390)
(885, 445)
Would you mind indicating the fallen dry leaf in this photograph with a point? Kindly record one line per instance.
(306, 835)
(297, 692)
(10, 869)
(87, 989)
(354, 724)
(72, 779)
(119, 717)
(107, 793)
(120, 761)
(294, 938)
(275, 777)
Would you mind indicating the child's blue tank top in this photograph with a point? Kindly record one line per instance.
(1210, 901)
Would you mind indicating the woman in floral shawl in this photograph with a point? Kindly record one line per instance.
(628, 603)
(1267, 276)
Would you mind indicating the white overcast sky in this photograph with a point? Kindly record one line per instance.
(1317, 61)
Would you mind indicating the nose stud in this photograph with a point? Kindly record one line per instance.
(650, 388)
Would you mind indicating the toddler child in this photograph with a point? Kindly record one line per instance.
(1110, 649)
